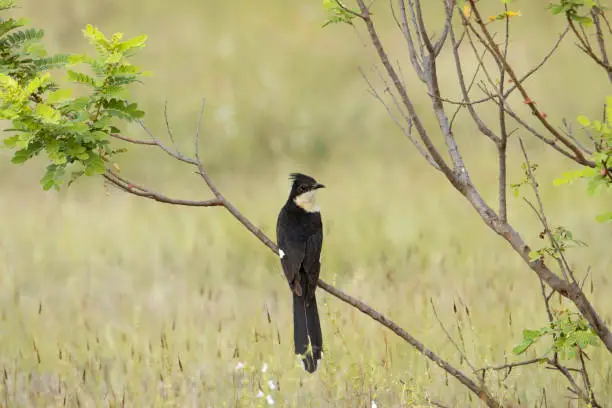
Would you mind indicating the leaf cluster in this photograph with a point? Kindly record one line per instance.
(600, 177)
(562, 238)
(569, 333)
(575, 10)
(338, 13)
(73, 131)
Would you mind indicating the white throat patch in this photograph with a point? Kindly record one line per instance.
(307, 201)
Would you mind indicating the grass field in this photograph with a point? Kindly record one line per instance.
(110, 300)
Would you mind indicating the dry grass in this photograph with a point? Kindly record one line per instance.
(107, 300)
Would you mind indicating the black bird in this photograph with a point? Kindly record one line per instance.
(299, 233)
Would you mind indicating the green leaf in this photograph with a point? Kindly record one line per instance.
(95, 165)
(534, 256)
(81, 78)
(531, 334)
(522, 347)
(20, 156)
(135, 42)
(47, 113)
(11, 141)
(75, 59)
(593, 188)
(114, 58)
(584, 121)
(603, 218)
(60, 95)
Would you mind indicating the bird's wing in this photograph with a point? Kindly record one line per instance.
(291, 250)
(292, 256)
(312, 261)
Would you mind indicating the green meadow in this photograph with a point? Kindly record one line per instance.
(110, 300)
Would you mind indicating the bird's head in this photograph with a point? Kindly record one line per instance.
(303, 191)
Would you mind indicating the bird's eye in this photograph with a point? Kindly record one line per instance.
(302, 187)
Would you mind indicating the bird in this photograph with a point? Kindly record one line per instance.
(299, 234)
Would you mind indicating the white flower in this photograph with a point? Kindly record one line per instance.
(260, 394)
(374, 404)
(239, 365)
(271, 385)
(270, 400)
(264, 368)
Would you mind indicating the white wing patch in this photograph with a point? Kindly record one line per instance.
(281, 253)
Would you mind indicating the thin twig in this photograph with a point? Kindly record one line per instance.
(134, 141)
(482, 127)
(135, 189)
(579, 156)
(600, 39)
(503, 143)
(586, 48)
(563, 264)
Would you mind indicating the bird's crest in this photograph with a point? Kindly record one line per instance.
(300, 177)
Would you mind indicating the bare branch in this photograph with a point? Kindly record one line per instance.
(575, 388)
(135, 189)
(447, 27)
(479, 390)
(415, 24)
(407, 131)
(402, 92)
(482, 127)
(600, 40)
(134, 141)
(510, 366)
(579, 156)
(197, 135)
(405, 29)
(168, 129)
(526, 76)
(588, 50)
(503, 143)
(421, 26)
(552, 364)
(433, 87)
(587, 381)
(173, 153)
(551, 142)
(567, 130)
(467, 189)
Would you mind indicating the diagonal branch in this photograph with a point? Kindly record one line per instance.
(220, 200)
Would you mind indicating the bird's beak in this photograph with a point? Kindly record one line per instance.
(317, 186)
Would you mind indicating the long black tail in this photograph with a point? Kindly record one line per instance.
(307, 330)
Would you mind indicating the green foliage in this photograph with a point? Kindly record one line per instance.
(599, 178)
(338, 13)
(569, 333)
(46, 118)
(516, 187)
(574, 10)
(562, 239)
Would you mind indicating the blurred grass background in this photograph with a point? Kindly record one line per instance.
(109, 299)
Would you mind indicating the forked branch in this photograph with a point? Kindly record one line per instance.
(458, 175)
